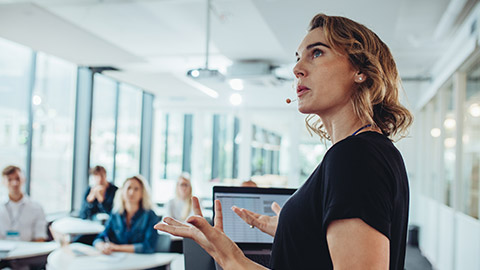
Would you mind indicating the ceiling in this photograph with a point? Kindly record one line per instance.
(154, 43)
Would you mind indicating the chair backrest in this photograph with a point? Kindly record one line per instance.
(195, 257)
(163, 243)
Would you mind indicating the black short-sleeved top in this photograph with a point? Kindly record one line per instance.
(362, 176)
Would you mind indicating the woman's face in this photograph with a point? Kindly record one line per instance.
(325, 79)
(132, 191)
(183, 188)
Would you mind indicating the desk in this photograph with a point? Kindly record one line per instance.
(65, 258)
(76, 226)
(22, 249)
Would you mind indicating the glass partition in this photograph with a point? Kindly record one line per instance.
(102, 139)
(129, 123)
(53, 132)
(15, 67)
(471, 145)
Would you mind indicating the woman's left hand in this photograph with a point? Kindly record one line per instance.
(212, 239)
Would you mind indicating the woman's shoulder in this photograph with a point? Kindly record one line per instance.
(361, 145)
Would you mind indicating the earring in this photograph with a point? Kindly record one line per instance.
(360, 78)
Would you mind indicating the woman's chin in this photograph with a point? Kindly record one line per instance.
(304, 109)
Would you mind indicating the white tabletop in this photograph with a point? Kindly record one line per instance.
(22, 249)
(73, 226)
(81, 256)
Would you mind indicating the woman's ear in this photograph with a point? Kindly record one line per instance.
(360, 77)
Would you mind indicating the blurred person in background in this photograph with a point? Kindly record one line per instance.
(130, 227)
(249, 183)
(20, 218)
(180, 207)
(99, 197)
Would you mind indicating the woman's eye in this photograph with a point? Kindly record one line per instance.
(316, 53)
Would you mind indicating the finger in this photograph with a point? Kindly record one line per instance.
(243, 214)
(203, 225)
(218, 222)
(253, 214)
(174, 230)
(240, 212)
(174, 222)
(276, 208)
(252, 220)
(196, 206)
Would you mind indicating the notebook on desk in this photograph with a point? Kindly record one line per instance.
(255, 244)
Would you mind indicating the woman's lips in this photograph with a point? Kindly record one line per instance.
(301, 90)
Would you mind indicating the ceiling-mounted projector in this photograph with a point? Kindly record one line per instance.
(205, 73)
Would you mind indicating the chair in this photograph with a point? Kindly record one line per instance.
(164, 243)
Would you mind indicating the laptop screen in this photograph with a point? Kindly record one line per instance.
(258, 200)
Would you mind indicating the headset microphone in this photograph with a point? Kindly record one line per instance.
(290, 101)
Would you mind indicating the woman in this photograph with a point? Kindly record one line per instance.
(99, 198)
(352, 212)
(180, 207)
(129, 228)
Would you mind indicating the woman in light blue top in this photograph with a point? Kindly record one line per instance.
(130, 227)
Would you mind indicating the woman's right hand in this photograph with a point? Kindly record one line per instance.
(266, 224)
(105, 248)
(211, 239)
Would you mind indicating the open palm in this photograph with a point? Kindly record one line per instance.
(266, 224)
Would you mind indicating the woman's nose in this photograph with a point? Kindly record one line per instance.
(298, 70)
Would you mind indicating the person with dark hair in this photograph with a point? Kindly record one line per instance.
(20, 217)
(99, 198)
(352, 212)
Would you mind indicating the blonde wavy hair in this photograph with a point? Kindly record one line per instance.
(188, 201)
(145, 202)
(376, 100)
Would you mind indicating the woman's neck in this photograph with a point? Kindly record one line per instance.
(131, 209)
(341, 125)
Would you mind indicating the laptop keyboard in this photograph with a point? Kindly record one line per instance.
(263, 259)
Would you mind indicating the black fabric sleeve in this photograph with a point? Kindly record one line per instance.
(107, 204)
(86, 210)
(357, 185)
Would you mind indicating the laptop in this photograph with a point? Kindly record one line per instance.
(254, 243)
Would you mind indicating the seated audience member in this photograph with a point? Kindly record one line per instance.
(180, 207)
(99, 198)
(249, 183)
(130, 227)
(20, 218)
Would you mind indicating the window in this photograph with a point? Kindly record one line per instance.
(15, 67)
(310, 156)
(265, 152)
(53, 129)
(448, 127)
(223, 137)
(471, 147)
(103, 124)
(256, 153)
(129, 123)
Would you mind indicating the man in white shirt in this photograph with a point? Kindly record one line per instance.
(20, 218)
